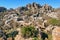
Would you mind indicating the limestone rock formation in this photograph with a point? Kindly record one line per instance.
(32, 14)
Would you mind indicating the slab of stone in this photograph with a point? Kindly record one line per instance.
(10, 38)
(56, 33)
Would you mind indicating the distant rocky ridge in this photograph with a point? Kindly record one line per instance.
(31, 14)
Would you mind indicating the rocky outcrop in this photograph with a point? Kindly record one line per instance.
(33, 5)
(53, 15)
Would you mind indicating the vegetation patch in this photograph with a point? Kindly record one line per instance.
(54, 22)
(29, 31)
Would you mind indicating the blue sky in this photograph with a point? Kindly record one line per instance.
(18, 3)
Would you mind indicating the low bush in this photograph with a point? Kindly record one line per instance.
(12, 34)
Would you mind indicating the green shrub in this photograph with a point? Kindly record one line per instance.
(12, 34)
(29, 31)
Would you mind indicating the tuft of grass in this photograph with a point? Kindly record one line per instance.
(54, 22)
(37, 38)
(49, 36)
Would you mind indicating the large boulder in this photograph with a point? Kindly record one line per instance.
(56, 33)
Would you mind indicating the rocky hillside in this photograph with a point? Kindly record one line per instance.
(42, 18)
